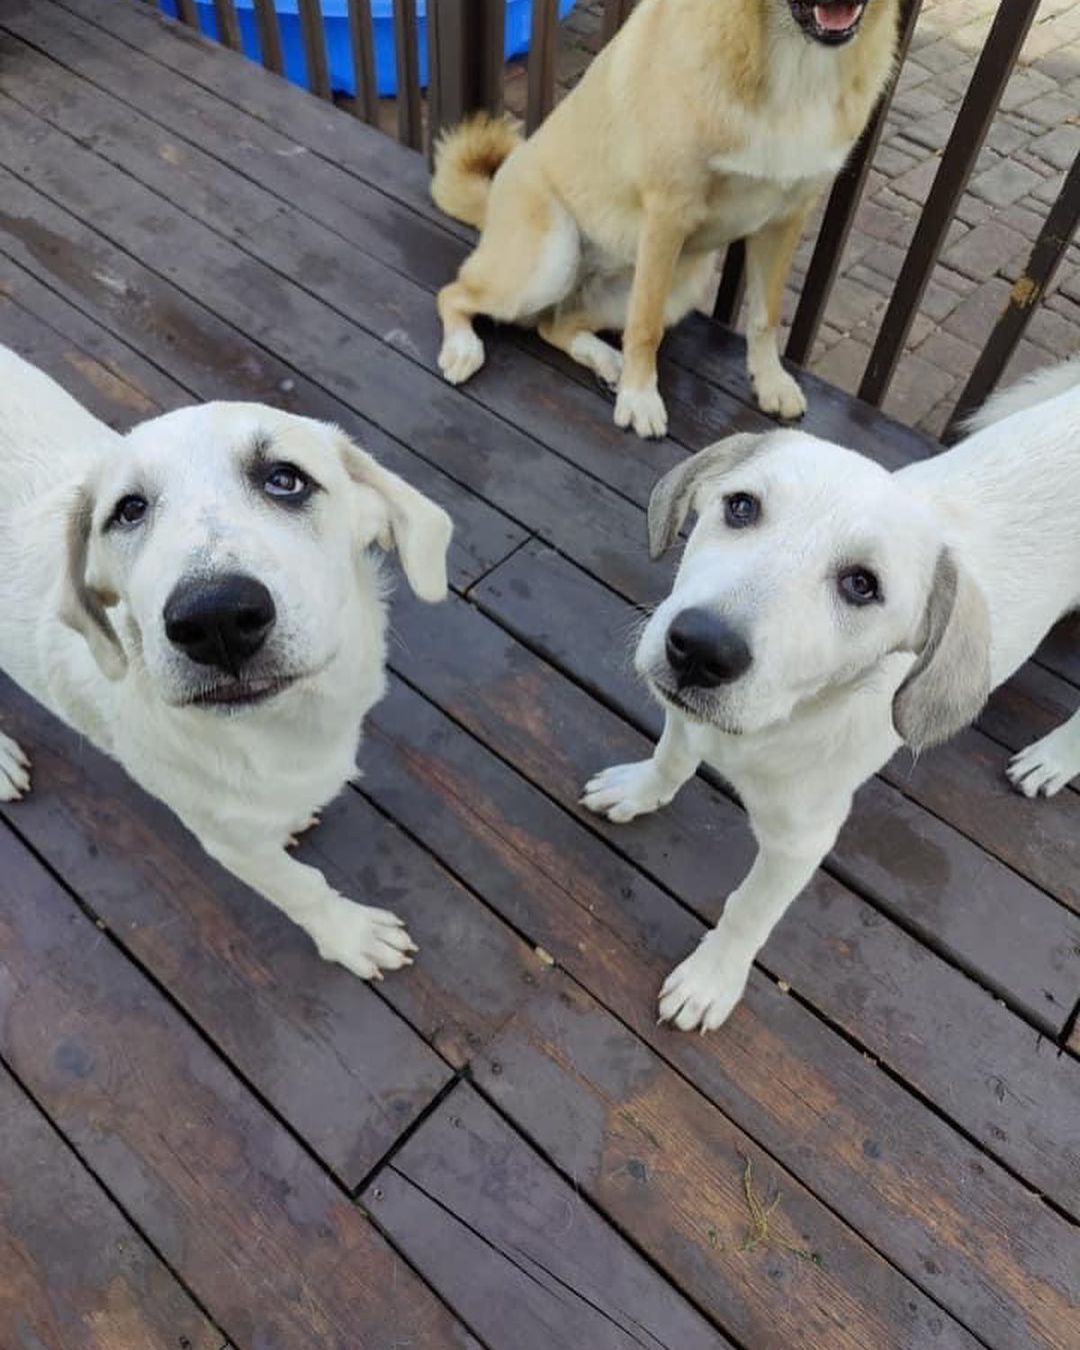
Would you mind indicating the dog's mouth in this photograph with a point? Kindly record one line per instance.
(238, 694)
(832, 22)
(689, 707)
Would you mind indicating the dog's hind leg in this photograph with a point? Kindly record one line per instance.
(526, 262)
(14, 770)
(574, 334)
(768, 262)
(1046, 766)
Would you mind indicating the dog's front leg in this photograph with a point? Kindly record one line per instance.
(768, 262)
(14, 770)
(638, 403)
(365, 940)
(628, 790)
(703, 990)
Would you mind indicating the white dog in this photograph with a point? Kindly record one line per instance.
(826, 612)
(198, 599)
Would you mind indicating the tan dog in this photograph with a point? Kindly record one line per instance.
(702, 122)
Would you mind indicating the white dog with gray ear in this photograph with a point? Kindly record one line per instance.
(200, 600)
(826, 612)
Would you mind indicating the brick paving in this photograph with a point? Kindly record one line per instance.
(1034, 139)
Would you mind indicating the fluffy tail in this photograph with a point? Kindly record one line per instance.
(1026, 393)
(466, 159)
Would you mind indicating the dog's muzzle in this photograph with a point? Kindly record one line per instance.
(703, 650)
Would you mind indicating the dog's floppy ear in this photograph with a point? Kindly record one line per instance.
(673, 496)
(412, 522)
(79, 605)
(950, 681)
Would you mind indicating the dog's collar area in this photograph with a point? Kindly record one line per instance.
(831, 22)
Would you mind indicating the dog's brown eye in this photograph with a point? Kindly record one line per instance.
(284, 480)
(859, 586)
(741, 509)
(130, 510)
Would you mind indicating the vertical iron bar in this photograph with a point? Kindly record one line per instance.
(541, 64)
(410, 120)
(729, 295)
(466, 46)
(269, 36)
(228, 26)
(314, 37)
(1054, 238)
(362, 43)
(1006, 37)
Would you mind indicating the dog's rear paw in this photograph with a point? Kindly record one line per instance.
(704, 990)
(625, 791)
(366, 941)
(779, 395)
(642, 409)
(462, 355)
(604, 360)
(1047, 766)
(14, 770)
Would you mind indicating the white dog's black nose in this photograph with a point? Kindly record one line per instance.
(220, 621)
(704, 650)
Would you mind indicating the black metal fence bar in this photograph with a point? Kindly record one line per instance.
(362, 45)
(729, 294)
(266, 21)
(410, 113)
(187, 12)
(314, 39)
(998, 57)
(1054, 238)
(541, 64)
(840, 212)
(228, 25)
(465, 48)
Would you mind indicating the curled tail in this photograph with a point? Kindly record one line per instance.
(466, 159)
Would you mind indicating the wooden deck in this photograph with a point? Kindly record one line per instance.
(208, 1136)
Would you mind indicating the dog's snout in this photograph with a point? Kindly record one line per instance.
(220, 621)
(704, 650)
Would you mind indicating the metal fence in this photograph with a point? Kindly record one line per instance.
(465, 51)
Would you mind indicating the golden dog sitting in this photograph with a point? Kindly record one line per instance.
(702, 122)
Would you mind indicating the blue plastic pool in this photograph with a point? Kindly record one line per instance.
(338, 52)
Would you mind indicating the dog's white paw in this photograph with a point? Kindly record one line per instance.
(627, 790)
(604, 360)
(703, 990)
(366, 941)
(1047, 766)
(778, 394)
(462, 355)
(642, 409)
(14, 770)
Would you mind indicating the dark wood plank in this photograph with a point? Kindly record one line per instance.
(1006, 931)
(646, 1147)
(73, 1271)
(499, 1234)
(481, 450)
(931, 1201)
(258, 1233)
(210, 359)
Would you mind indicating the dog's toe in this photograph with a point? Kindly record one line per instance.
(366, 941)
(643, 410)
(14, 770)
(1044, 768)
(704, 989)
(623, 792)
(780, 396)
(462, 355)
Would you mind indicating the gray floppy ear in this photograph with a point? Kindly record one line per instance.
(419, 528)
(950, 681)
(673, 496)
(81, 607)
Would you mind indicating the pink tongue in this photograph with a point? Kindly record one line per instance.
(835, 18)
